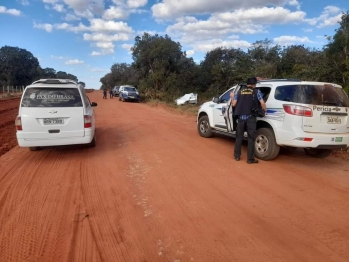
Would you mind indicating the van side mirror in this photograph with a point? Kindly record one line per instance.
(93, 104)
(215, 100)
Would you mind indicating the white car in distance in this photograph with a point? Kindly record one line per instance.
(55, 112)
(190, 98)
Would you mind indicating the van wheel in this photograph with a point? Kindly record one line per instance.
(265, 144)
(317, 153)
(93, 142)
(34, 148)
(204, 127)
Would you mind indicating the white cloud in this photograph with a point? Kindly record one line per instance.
(102, 25)
(99, 37)
(47, 27)
(50, 1)
(127, 47)
(169, 9)
(71, 17)
(190, 52)
(94, 6)
(57, 57)
(74, 62)
(96, 69)
(289, 40)
(23, 2)
(59, 8)
(115, 13)
(295, 3)
(94, 53)
(330, 16)
(105, 45)
(208, 45)
(136, 3)
(14, 12)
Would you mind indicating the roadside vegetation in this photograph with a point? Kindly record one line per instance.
(162, 71)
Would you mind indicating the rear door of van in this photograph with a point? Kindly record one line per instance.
(52, 112)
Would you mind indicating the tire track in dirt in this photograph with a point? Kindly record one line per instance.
(30, 233)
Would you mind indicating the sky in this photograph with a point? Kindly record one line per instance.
(86, 37)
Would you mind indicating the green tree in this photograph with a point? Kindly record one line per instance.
(156, 60)
(64, 75)
(337, 52)
(48, 73)
(265, 57)
(17, 66)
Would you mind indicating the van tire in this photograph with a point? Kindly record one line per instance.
(34, 148)
(317, 152)
(204, 127)
(265, 144)
(93, 142)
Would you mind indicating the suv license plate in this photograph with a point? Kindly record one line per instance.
(334, 120)
(53, 121)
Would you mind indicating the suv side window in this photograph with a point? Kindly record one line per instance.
(312, 94)
(225, 97)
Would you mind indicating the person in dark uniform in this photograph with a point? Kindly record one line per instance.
(104, 93)
(111, 93)
(243, 103)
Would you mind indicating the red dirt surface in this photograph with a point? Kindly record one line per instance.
(154, 190)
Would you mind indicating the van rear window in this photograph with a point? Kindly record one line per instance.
(327, 95)
(51, 97)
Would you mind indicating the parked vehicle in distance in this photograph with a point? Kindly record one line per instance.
(187, 99)
(300, 114)
(55, 112)
(116, 90)
(129, 93)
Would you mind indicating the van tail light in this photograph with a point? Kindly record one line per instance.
(298, 110)
(18, 123)
(87, 121)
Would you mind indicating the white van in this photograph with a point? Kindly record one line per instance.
(55, 112)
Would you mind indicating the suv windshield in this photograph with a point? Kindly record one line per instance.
(51, 97)
(313, 94)
(127, 88)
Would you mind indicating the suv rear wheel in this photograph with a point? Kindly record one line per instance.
(317, 153)
(204, 127)
(265, 144)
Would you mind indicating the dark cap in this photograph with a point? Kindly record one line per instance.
(251, 81)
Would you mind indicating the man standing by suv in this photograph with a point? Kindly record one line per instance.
(243, 103)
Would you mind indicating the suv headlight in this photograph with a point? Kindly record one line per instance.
(137, 93)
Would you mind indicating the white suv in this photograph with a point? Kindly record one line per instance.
(300, 114)
(55, 112)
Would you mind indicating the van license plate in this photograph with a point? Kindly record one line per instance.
(53, 121)
(334, 120)
(338, 139)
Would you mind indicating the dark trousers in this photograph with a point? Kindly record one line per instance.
(250, 126)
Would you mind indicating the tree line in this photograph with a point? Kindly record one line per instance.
(19, 67)
(161, 70)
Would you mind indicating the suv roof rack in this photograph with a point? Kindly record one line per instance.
(280, 80)
(55, 81)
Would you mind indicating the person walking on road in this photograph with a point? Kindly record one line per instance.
(243, 103)
(104, 93)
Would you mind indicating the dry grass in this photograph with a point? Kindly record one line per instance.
(188, 109)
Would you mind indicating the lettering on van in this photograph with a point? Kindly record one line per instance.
(53, 96)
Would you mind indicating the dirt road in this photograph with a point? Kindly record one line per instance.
(154, 190)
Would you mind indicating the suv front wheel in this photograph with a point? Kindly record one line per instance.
(265, 144)
(204, 127)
